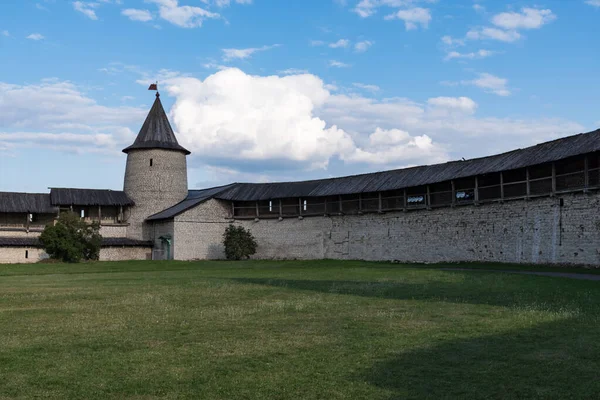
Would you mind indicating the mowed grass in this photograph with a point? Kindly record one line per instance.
(294, 330)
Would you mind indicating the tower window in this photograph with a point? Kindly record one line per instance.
(150, 162)
(26, 253)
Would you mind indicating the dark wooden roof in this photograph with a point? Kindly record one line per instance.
(89, 197)
(38, 203)
(416, 176)
(156, 133)
(106, 242)
(194, 198)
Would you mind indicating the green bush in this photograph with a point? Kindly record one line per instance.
(71, 239)
(239, 243)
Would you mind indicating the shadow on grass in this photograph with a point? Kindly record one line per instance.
(557, 360)
(508, 291)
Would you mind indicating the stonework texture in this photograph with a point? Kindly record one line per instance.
(21, 255)
(125, 253)
(198, 232)
(153, 188)
(535, 231)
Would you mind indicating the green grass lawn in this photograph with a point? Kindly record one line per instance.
(301, 330)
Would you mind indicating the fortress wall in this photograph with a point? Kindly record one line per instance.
(535, 231)
(199, 231)
(13, 255)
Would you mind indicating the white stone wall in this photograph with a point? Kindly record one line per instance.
(198, 232)
(125, 253)
(534, 231)
(14, 255)
(153, 188)
(113, 231)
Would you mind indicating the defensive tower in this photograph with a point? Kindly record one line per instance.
(156, 171)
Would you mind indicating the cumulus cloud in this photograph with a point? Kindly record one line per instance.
(36, 36)
(5, 33)
(241, 54)
(593, 3)
(452, 42)
(494, 34)
(59, 114)
(528, 18)
(137, 14)
(362, 46)
(183, 16)
(338, 64)
(226, 3)
(469, 56)
(270, 127)
(488, 82)
(369, 88)
(412, 17)
(340, 43)
(86, 8)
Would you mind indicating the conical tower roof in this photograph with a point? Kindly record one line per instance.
(156, 133)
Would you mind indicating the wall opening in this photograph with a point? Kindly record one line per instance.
(26, 253)
(150, 162)
(82, 213)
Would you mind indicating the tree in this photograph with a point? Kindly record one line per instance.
(239, 243)
(71, 239)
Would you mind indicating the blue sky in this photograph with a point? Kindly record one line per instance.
(263, 90)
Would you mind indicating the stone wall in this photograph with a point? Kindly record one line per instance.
(535, 231)
(113, 231)
(199, 231)
(153, 188)
(125, 253)
(22, 255)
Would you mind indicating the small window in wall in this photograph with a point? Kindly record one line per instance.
(150, 162)
(304, 205)
(26, 253)
(82, 213)
(30, 217)
(270, 205)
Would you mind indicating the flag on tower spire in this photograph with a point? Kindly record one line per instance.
(153, 86)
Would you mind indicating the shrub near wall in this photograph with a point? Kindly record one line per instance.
(72, 239)
(239, 243)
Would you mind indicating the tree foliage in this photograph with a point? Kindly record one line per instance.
(239, 243)
(71, 239)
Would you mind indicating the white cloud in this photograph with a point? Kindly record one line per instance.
(490, 83)
(412, 17)
(241, 54)
(340, 43)
(593, 3)
(369, 88)
(508, 24)
(338, 64)
(137, 15)
(5, 33)
(260, 127)
(470, 56)
(478, 7)
(56, 114)
(226, 3)
(493, 33)
(293, 71)
(270, 122)
(317, 43)
(453, 42)
(86, 8)
(183, 16)
(363, 46)
(461, 104)
(528, 18)
(35, 36)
